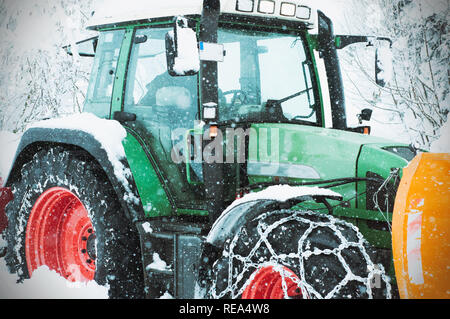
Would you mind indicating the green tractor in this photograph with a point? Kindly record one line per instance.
(213, 160)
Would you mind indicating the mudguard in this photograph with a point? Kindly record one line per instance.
(5, 197)
(242, 211)
(36, 138)
(229, 223)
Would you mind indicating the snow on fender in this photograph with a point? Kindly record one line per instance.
(109, 133)
(232, 216)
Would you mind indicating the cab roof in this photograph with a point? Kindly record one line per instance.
(113, 13)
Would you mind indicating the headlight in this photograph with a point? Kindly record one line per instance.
(245, 5)
(266, 6)
(288, 9)
(303, 12)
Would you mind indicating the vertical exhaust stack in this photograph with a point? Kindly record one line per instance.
(213, 172)
(421, 228)
(328, 51)
(208, 69)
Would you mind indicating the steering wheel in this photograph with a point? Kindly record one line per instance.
(238, 95)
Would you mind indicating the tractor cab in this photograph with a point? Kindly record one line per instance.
(192, 82)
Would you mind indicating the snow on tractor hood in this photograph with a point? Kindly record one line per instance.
(109, 133)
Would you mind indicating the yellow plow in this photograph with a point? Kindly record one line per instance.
(421, 228)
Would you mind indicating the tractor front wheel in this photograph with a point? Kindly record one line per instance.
(295, 254)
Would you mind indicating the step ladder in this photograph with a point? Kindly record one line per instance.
(170, 254)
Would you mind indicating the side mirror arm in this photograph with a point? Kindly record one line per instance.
(341, 41)
(85, 52)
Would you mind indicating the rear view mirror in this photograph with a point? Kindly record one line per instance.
(383, 54)
(383, 66)
(366, 115)
(182, 50)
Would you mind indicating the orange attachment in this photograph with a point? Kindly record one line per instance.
(421, 228)
(213, 131)
(366, 130)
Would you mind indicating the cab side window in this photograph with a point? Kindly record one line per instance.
(98, 98)
(151, 90)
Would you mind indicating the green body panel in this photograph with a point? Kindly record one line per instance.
(193, 212)
(360, 218)
(153, 196)
(332, 153)
(348, 212)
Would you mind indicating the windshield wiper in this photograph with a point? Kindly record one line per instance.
(272, 103)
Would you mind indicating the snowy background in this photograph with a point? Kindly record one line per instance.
(38, 80)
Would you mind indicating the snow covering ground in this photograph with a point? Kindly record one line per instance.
(46, 284)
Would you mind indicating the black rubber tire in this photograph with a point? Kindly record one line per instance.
(322, 272)
(118, 261)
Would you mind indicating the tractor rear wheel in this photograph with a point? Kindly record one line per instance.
(295, 254)
(66, 216)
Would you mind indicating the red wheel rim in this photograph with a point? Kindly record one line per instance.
(267, 283)
(60, 235)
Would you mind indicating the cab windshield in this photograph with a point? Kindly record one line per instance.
(265, 76)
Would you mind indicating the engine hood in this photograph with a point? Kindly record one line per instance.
(308, 153)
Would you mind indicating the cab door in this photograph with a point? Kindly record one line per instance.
(165, 108)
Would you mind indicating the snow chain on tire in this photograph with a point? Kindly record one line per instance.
(329, 256)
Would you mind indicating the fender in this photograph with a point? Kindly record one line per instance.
(238, 215)
(37, 138)
(5, 197)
